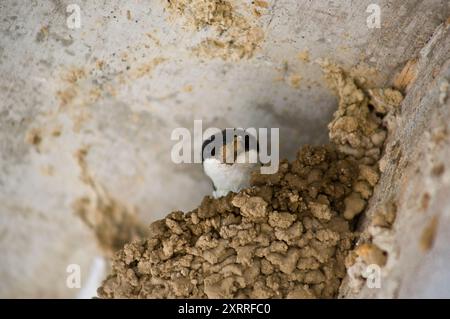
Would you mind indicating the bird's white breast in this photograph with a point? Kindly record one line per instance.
(228, 178)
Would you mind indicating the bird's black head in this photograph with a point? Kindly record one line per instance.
(237, 139)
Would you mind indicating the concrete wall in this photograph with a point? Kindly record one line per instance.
(416, 181)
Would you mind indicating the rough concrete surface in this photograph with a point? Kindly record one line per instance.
(416, 180)
(123, 81)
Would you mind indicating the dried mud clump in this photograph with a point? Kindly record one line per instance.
(287, 236)
(234, 34)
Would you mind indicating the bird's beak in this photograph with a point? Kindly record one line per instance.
(230, 151)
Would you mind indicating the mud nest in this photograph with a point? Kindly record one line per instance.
(287, 236)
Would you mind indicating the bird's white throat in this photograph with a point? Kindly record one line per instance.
(229, 177)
